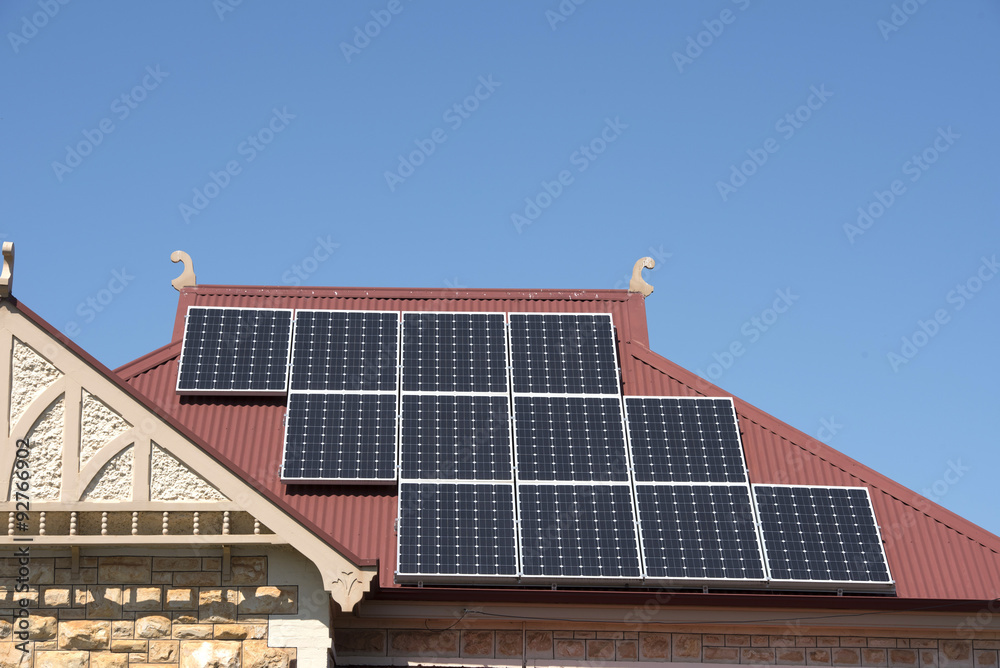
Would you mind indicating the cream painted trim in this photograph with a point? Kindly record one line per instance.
(72, 417)
(6, 372)
(127, 506)
(345, 581)
(141, 472)
(123, 541)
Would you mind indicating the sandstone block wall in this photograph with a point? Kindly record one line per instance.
(120, 611)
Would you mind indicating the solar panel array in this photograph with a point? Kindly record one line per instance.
(342, 405)
(235, 350)
(517, 457)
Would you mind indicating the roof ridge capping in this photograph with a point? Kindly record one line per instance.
(383, 292)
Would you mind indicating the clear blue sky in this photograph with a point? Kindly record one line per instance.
(115, 114)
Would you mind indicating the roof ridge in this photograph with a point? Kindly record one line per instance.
(349, 292)
(149, 361)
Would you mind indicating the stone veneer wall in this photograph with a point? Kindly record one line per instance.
(508, 646)
(158, 611)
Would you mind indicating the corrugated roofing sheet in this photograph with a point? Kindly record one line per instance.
(933, 554)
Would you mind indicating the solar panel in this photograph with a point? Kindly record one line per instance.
(455, 437)
(454, 352)
(699, 532)
(563, 353)
(684, 439)
(821, 534)
(578, 531)
(570, 438)
(235, 350)
(456, 529)
(345, 350)
(340, 436)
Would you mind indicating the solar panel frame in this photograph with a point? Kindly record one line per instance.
(389, 479)
(202, 391)
(404, 516)
(815, 584)
(395, 359)
(573, 580)
(505, 350)
(509, 447)
(637, 473)
(519, 470)
(615, 363)
(703, 580)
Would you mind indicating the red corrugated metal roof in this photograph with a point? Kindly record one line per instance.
(933, 553)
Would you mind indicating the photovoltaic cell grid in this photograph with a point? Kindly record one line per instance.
(578, 531)
(570, 438)
(455, 437)
(235, 350)
(563, 354)
(684, 439)
(821, 534)
(345, 351)
(331, 436)
(454, 352)
(457, 529)
(699, 532)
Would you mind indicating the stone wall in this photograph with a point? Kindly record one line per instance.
(511, 646)
(161, 611)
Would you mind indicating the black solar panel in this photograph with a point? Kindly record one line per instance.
(699, 531)
(578, 531)
(457, 529)
(235, 350)
(454, 352)
(820, 534)
(455, 437)
(340, 436)
(345, 350)
(563, 354)
(570, 438)
(684, 440)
